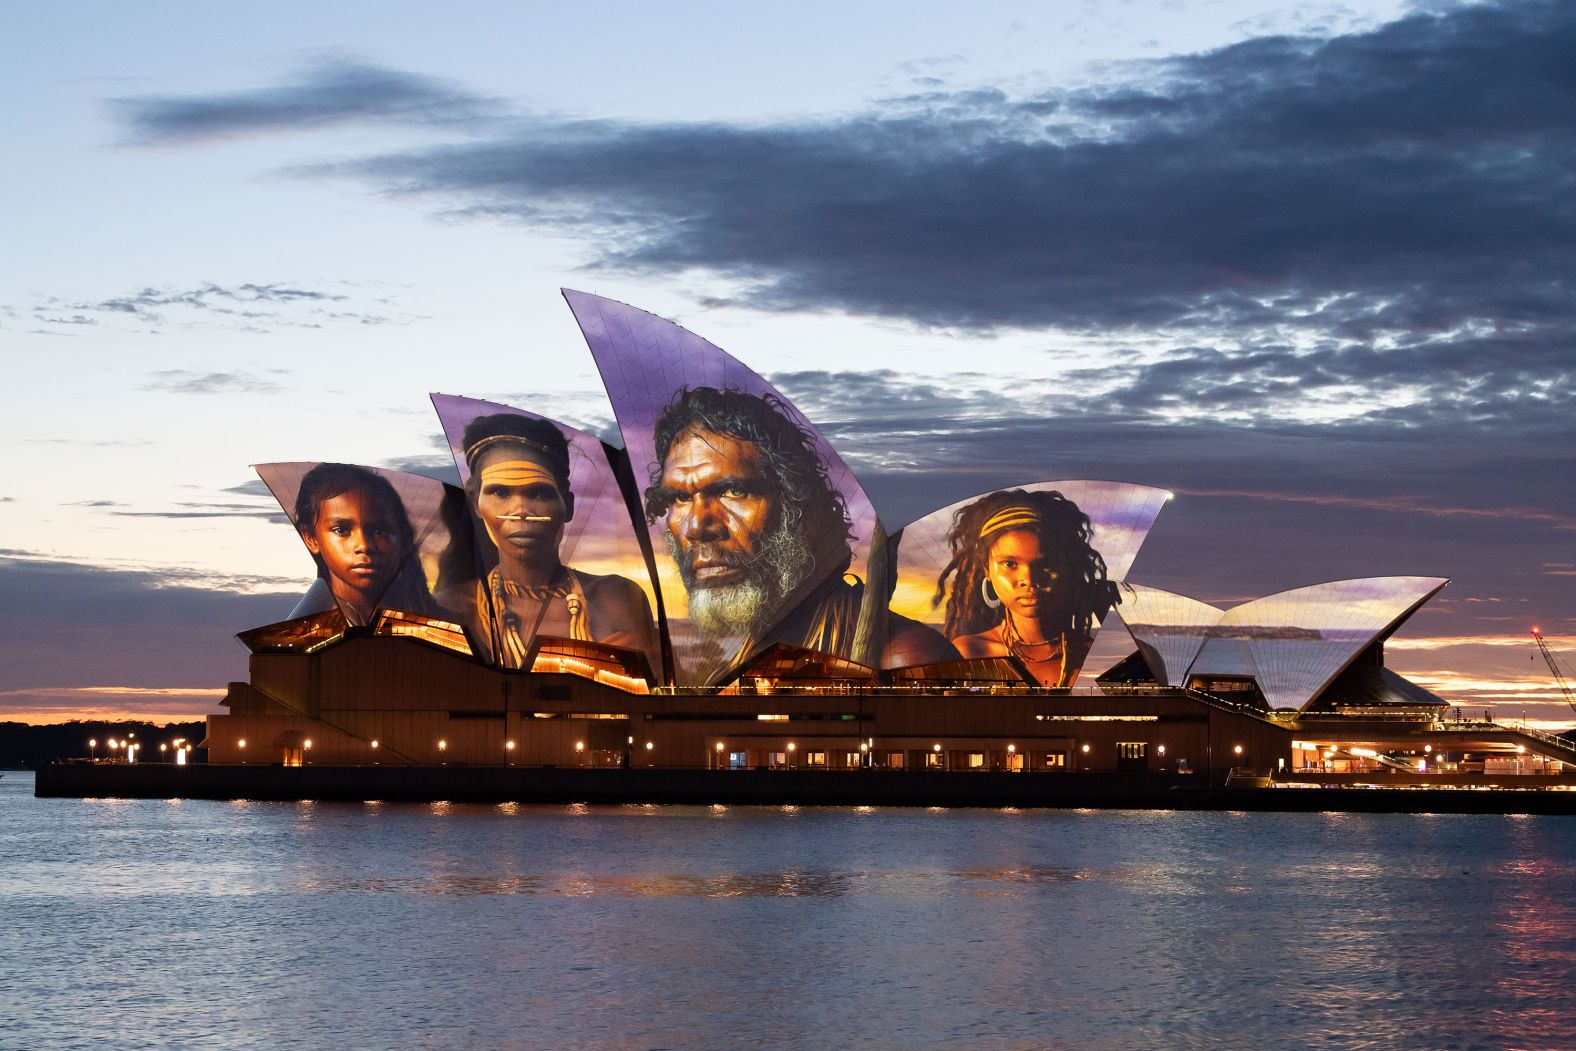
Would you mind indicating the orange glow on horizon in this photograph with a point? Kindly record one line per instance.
(56, 716)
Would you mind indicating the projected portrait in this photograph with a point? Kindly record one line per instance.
(1026, 573)
(749, 517)
(761, 534)
(519, 474)
(1026, 583)
(367, 531)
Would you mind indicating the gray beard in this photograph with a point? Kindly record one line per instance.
(783, 562)
(733, 609)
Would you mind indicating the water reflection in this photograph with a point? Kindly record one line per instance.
(508, 925)
(790, 883)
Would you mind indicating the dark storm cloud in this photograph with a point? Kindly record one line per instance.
(70, 624)
(1411, 178)
(185, 381)
(1302, 217)
(1257, 510)
(330, 92)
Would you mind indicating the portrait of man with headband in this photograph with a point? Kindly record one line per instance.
(519, 490)
(1026, 583)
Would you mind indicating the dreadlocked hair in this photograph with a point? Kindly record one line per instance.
(1082, 595)
(810, 505)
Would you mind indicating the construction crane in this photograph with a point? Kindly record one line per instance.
(1554, 667)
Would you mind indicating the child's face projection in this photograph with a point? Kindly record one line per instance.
(358, 543)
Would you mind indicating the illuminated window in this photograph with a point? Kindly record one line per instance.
(933, 761)
(815, 759)
(1132, 749)
(976, 760)
(895, 760)
(1056, 760)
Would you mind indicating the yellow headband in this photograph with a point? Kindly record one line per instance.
(517, 473)
(474, 452)
(1016, 517)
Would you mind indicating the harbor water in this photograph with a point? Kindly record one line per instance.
(159, 923)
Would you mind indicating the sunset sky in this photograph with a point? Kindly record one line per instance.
(1308, 266)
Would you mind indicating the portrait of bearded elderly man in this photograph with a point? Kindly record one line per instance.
(759, 533)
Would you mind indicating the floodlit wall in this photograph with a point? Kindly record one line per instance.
(367, 700)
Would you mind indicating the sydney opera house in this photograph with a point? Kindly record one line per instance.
(717, 592)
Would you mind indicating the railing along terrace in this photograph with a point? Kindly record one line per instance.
(1004, 689)
(1553, 740)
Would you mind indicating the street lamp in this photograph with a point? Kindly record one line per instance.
(93, 748)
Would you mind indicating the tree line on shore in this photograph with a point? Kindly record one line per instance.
(24, 746)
